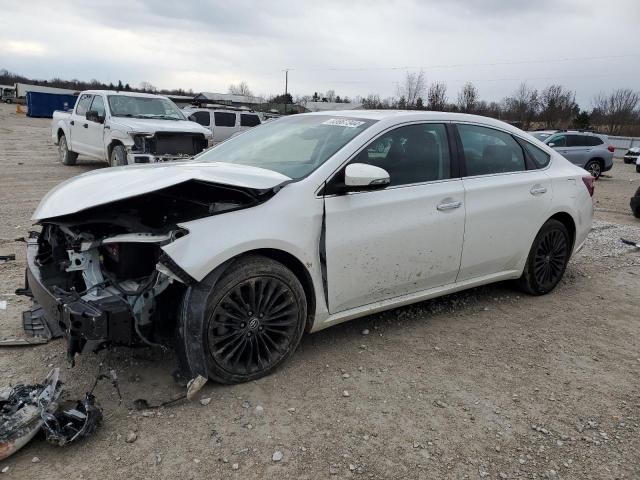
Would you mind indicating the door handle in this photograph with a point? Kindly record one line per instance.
(538, 190)
(449, 206)
(72, 122)
(86, 125)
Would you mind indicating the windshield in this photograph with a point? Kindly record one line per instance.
(542, 136)
(144, 107)
(294, 146)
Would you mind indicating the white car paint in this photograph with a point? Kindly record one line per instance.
(94, 139)
(383, 248)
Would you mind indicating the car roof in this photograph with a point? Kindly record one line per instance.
(397, 116)
(123, 93)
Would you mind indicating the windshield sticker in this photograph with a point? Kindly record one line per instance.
(343, 122)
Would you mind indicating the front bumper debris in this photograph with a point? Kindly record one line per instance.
(87, 325)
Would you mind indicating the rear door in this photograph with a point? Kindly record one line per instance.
(79, 126)
(578, 151)
(226, 124)
(405, 238)
(507, 198)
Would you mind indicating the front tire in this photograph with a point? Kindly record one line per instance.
(67, 157)
(594, 168)
(252, 320)
(547, 260)
(118, 157)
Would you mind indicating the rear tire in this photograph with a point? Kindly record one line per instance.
(547, 260)
(637, 168)
(67, 157)
(118, 156)
(251, 320)
(627, 161)
(594, 167)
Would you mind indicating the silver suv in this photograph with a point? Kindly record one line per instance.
(588, 150)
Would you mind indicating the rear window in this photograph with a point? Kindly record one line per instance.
(225, 119)
(247, 120)
(592, 141)
(203, 118)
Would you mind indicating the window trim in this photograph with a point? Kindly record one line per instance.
(517, 138)
(454, 164)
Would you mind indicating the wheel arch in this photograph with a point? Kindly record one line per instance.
(567, 220)
(600, 160)
(111, 146)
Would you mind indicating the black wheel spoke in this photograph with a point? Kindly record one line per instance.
(550, 258)
(253, 323)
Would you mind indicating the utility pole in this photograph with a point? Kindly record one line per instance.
(286, 88)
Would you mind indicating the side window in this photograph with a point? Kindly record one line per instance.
(203, 118)
(98, 105)
(576, 141)
(411, 154)
(247, 120)
(83, 104)
(488, 151)
(593, 141)
(558, 141)
(540, 157)
(225, 119)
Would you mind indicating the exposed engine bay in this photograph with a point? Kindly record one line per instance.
(100, 275)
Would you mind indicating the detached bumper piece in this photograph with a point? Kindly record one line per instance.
(87, 325)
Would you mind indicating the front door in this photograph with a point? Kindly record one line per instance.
(403, 239)
(95, 130)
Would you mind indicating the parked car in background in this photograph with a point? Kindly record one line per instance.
(124, 128)
(223, 123)
(632, 155)
(588, 150)
(301, 224)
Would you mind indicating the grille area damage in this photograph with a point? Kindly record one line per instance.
(170, 143)
(100, 276)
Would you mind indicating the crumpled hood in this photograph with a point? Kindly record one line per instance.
(107, 185)
(149, 125)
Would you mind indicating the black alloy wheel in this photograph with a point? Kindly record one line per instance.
(252, 325)
(547, 260)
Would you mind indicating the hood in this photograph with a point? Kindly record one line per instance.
(117, 183)
(150, 125)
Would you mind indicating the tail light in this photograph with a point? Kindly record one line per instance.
(590, 183)
(611, 148)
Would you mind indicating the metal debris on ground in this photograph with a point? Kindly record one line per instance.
(6, 258)
(630, 242)
(21, 411)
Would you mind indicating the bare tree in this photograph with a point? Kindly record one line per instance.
(468, 98)
(147, 87)
(241, 88)
(437, 97)
(557, 106)
(330, 95)
(413, 88)
(522, 105)
(617, 109)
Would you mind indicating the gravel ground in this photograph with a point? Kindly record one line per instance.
(487, 383)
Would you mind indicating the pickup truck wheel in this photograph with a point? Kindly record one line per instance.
(118, 156)
(67, 157)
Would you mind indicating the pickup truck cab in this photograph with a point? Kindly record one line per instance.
(124, 128)
(223, 123)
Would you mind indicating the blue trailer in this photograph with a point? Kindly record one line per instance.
(41, 104)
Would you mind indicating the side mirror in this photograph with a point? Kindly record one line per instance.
(552, 144)
(93, 116)
(361, 176)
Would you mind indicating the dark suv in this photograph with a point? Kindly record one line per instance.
(588, 150)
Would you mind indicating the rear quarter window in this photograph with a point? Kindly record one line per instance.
(593, 141)
(539, 156)
(247, 120)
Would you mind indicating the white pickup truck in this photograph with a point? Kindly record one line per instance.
(124, 128)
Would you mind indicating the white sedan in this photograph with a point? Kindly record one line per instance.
(297, 225)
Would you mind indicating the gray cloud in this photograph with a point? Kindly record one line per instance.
(350, 47)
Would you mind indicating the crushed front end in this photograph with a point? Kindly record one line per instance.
(166, 146)
(100, 277)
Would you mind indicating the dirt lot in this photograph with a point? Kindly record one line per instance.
(488, 383)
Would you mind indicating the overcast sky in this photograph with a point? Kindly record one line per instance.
(354, 47)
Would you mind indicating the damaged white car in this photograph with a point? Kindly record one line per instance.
(297, 225)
